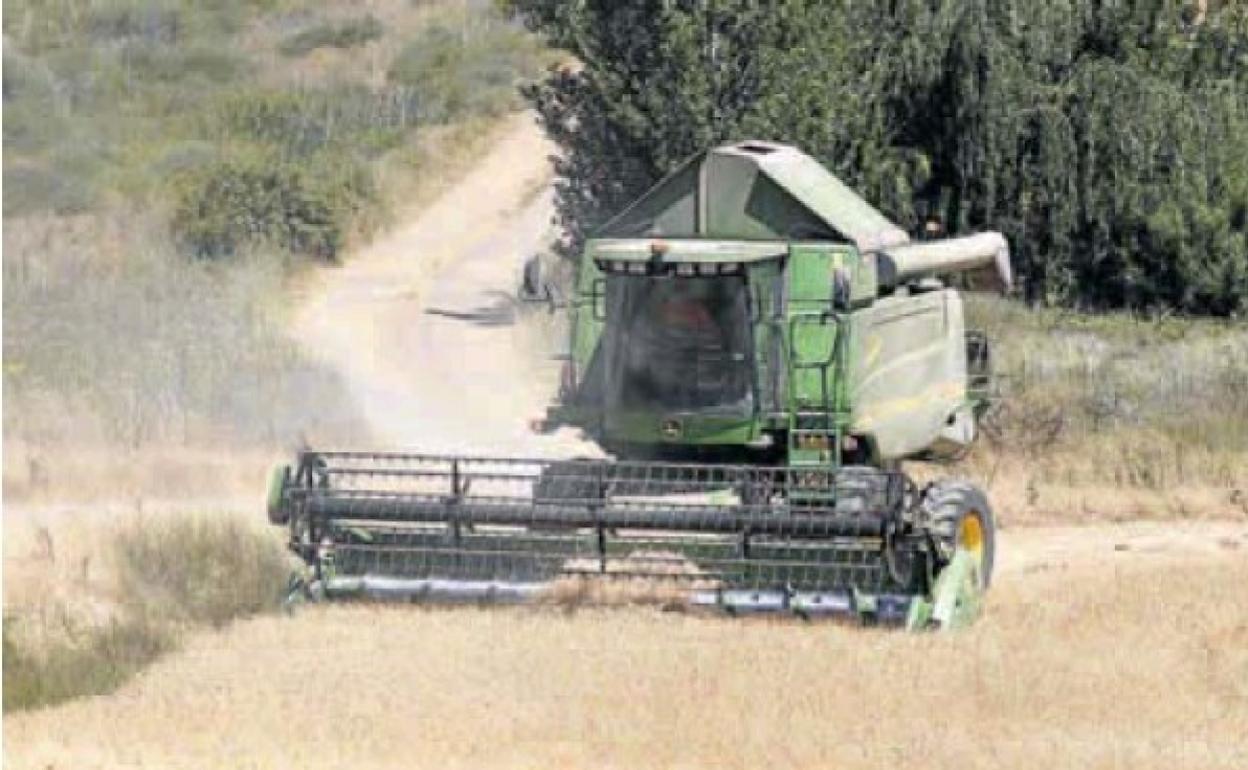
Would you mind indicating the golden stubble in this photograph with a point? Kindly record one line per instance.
(1131, 659)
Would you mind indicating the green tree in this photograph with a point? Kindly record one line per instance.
(1108, 140)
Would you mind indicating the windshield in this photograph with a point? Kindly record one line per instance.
(679, 343)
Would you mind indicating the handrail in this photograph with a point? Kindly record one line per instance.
(832, 394)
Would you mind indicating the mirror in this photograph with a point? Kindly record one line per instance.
(842, 289)
(531, 283)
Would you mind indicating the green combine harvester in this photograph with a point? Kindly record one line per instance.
(759, 350)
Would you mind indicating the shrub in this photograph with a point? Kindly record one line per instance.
(89, 661)
(34, 113)
(345, 34)
(229, 205)
(200, 568)
(180, 157)
(171, 571)
(287, 120)
(160, 22)
(160, 63)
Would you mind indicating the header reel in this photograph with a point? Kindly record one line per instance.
(812, 542)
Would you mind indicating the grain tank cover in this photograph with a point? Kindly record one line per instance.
(755, 191)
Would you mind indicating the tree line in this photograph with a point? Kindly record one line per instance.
(1108, 139)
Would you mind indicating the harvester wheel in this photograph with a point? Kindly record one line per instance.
(961, 521)
(279, 479)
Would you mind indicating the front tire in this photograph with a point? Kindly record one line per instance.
(959, 518)
(275, 502)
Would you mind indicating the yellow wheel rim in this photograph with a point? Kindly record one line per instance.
(971, 535)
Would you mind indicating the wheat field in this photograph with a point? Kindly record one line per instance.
(1128, 655)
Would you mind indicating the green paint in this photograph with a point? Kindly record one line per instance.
(699, 334)
(957, 596)
(277, 489)
(838, 347)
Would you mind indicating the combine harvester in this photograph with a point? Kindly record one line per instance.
(759, 349)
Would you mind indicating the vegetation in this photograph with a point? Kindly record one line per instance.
(1109, 141)
(114, 102)
(1102, 648)
(90, 661)
(173, 572)
(167, 166)
(1114, 416)
(111, 339)
(198, 568)
(470, 70)
(344, 34)
(231, 205)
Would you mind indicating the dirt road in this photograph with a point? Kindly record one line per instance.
(1110, 646)
(424, 323)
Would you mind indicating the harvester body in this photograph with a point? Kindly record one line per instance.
(744, 352)
(758, 349)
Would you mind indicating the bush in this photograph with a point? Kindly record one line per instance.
(227, 206)
(200, 568)
(159, 63)
(90, 661)
(34, 113)
(171, 571)
(345, 34)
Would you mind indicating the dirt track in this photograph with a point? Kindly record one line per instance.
(1116, 646)
(423, 321)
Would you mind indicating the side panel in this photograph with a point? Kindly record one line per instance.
(908, 370)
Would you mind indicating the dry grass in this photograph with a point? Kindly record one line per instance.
(200, 568)
(1113, 417)
(91, 599)
(153, 476)
(79, 660)
(206, 361)
(127, 368)
(1041, 682)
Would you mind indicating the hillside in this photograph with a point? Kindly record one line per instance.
(171, 170)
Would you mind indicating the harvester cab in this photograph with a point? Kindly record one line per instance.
(759, 350)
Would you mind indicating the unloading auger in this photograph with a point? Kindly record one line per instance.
(759, 349)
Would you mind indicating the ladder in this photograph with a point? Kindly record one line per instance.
(815, 425)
